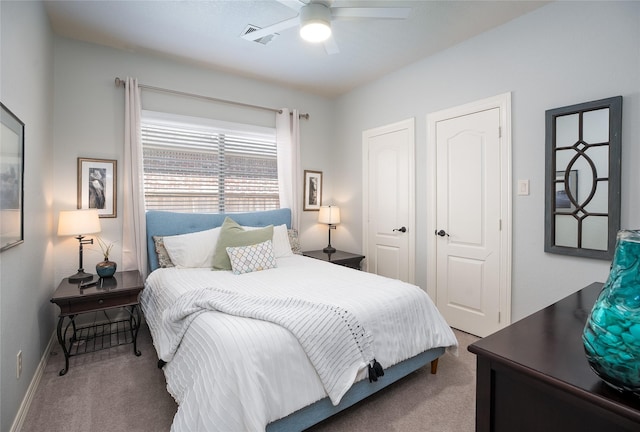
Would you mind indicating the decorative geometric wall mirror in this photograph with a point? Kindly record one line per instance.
(582, 200)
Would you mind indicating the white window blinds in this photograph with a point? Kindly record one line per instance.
(204, 166)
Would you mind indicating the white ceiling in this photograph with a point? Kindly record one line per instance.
(207, 33)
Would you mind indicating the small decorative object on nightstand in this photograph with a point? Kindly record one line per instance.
(120, 291)
(338, 257)
(105, 268)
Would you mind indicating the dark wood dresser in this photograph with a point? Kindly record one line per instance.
(534, 376)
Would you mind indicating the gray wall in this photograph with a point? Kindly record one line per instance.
(561, 54)
(26, 271)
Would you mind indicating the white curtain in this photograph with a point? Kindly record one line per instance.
(289, 174)
(134, 242)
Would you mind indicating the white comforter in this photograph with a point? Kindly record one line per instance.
(333, 339)
(238, 374)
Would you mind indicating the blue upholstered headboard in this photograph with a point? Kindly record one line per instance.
(163, 223)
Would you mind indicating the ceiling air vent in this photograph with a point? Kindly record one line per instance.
(263, 40)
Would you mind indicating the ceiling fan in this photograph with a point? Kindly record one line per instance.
(314, 19)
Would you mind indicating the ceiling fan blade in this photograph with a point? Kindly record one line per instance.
(293, 4)
(373, 12)
(282, 25)
(330, 46)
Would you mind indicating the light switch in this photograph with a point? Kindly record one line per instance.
(523, 187)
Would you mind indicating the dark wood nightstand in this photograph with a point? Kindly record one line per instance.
(338, 257)
(120, 291)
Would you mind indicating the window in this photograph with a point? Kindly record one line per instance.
(200, 165)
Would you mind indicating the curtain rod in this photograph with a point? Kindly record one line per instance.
(119, 82)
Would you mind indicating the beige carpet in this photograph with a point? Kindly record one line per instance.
(109, 390)
(444, 402)
(113, 390)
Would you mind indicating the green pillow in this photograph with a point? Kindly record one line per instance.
(233, 235)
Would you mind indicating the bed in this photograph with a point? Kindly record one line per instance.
(229, 372)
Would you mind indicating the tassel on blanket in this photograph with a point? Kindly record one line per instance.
(375, 370)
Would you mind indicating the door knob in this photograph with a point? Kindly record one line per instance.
(402, 229)
(442, 233)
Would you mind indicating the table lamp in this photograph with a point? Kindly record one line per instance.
(329, 215)
(78, 223)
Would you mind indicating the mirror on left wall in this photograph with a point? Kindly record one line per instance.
(11, 179)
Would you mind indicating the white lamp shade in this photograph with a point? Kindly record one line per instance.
(329, 215)
(78, 222)
(315, 22)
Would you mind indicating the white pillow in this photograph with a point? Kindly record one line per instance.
(247, 259)
(281, 246)
(193, 250)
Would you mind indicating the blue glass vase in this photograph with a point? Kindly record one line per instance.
(611, 335)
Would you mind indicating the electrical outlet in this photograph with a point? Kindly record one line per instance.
(19, 364)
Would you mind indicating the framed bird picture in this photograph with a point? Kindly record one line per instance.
(97, 186)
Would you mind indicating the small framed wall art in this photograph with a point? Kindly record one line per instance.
(97, 186)
(11, 179)
(312, 190)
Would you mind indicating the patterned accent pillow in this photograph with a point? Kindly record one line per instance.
(164, 260)
(247, 259)
(294, 242)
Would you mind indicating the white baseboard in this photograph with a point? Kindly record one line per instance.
(33, 386)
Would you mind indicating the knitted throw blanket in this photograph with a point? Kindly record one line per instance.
(335, 342)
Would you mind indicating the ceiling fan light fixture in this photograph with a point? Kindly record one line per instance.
(315, 22)
(315, 32)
